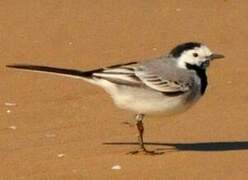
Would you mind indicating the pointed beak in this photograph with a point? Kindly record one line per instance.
(216, 56)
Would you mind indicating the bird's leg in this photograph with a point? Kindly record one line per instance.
(140, 127)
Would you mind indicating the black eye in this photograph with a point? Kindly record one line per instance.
(195, 54)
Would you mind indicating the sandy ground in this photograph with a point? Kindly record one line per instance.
(58, 126)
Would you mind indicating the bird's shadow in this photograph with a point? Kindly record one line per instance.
(198, 146)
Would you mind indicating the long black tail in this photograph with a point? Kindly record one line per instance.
(72, 72)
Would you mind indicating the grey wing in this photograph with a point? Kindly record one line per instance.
(163, 75)
(152, 75)
(122, 74)
(162, 84)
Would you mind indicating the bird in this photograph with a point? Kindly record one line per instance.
(164, 85)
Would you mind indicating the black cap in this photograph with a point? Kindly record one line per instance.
(178, 50)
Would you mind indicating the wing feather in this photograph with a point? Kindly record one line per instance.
(161, 84)
(134, 74)
(120, 74)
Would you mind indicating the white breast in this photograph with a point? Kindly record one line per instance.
(148, 101)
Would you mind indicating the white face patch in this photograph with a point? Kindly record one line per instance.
(195, 56)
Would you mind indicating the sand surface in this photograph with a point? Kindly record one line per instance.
(57, 126)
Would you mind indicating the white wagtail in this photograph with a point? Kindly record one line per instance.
(168, 84)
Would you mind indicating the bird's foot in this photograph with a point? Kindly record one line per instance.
(145, 151)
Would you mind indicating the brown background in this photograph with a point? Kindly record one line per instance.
(56, 115)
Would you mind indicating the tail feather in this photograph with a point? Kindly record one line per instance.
(62, 71)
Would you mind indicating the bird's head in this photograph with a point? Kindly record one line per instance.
(193, 54)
